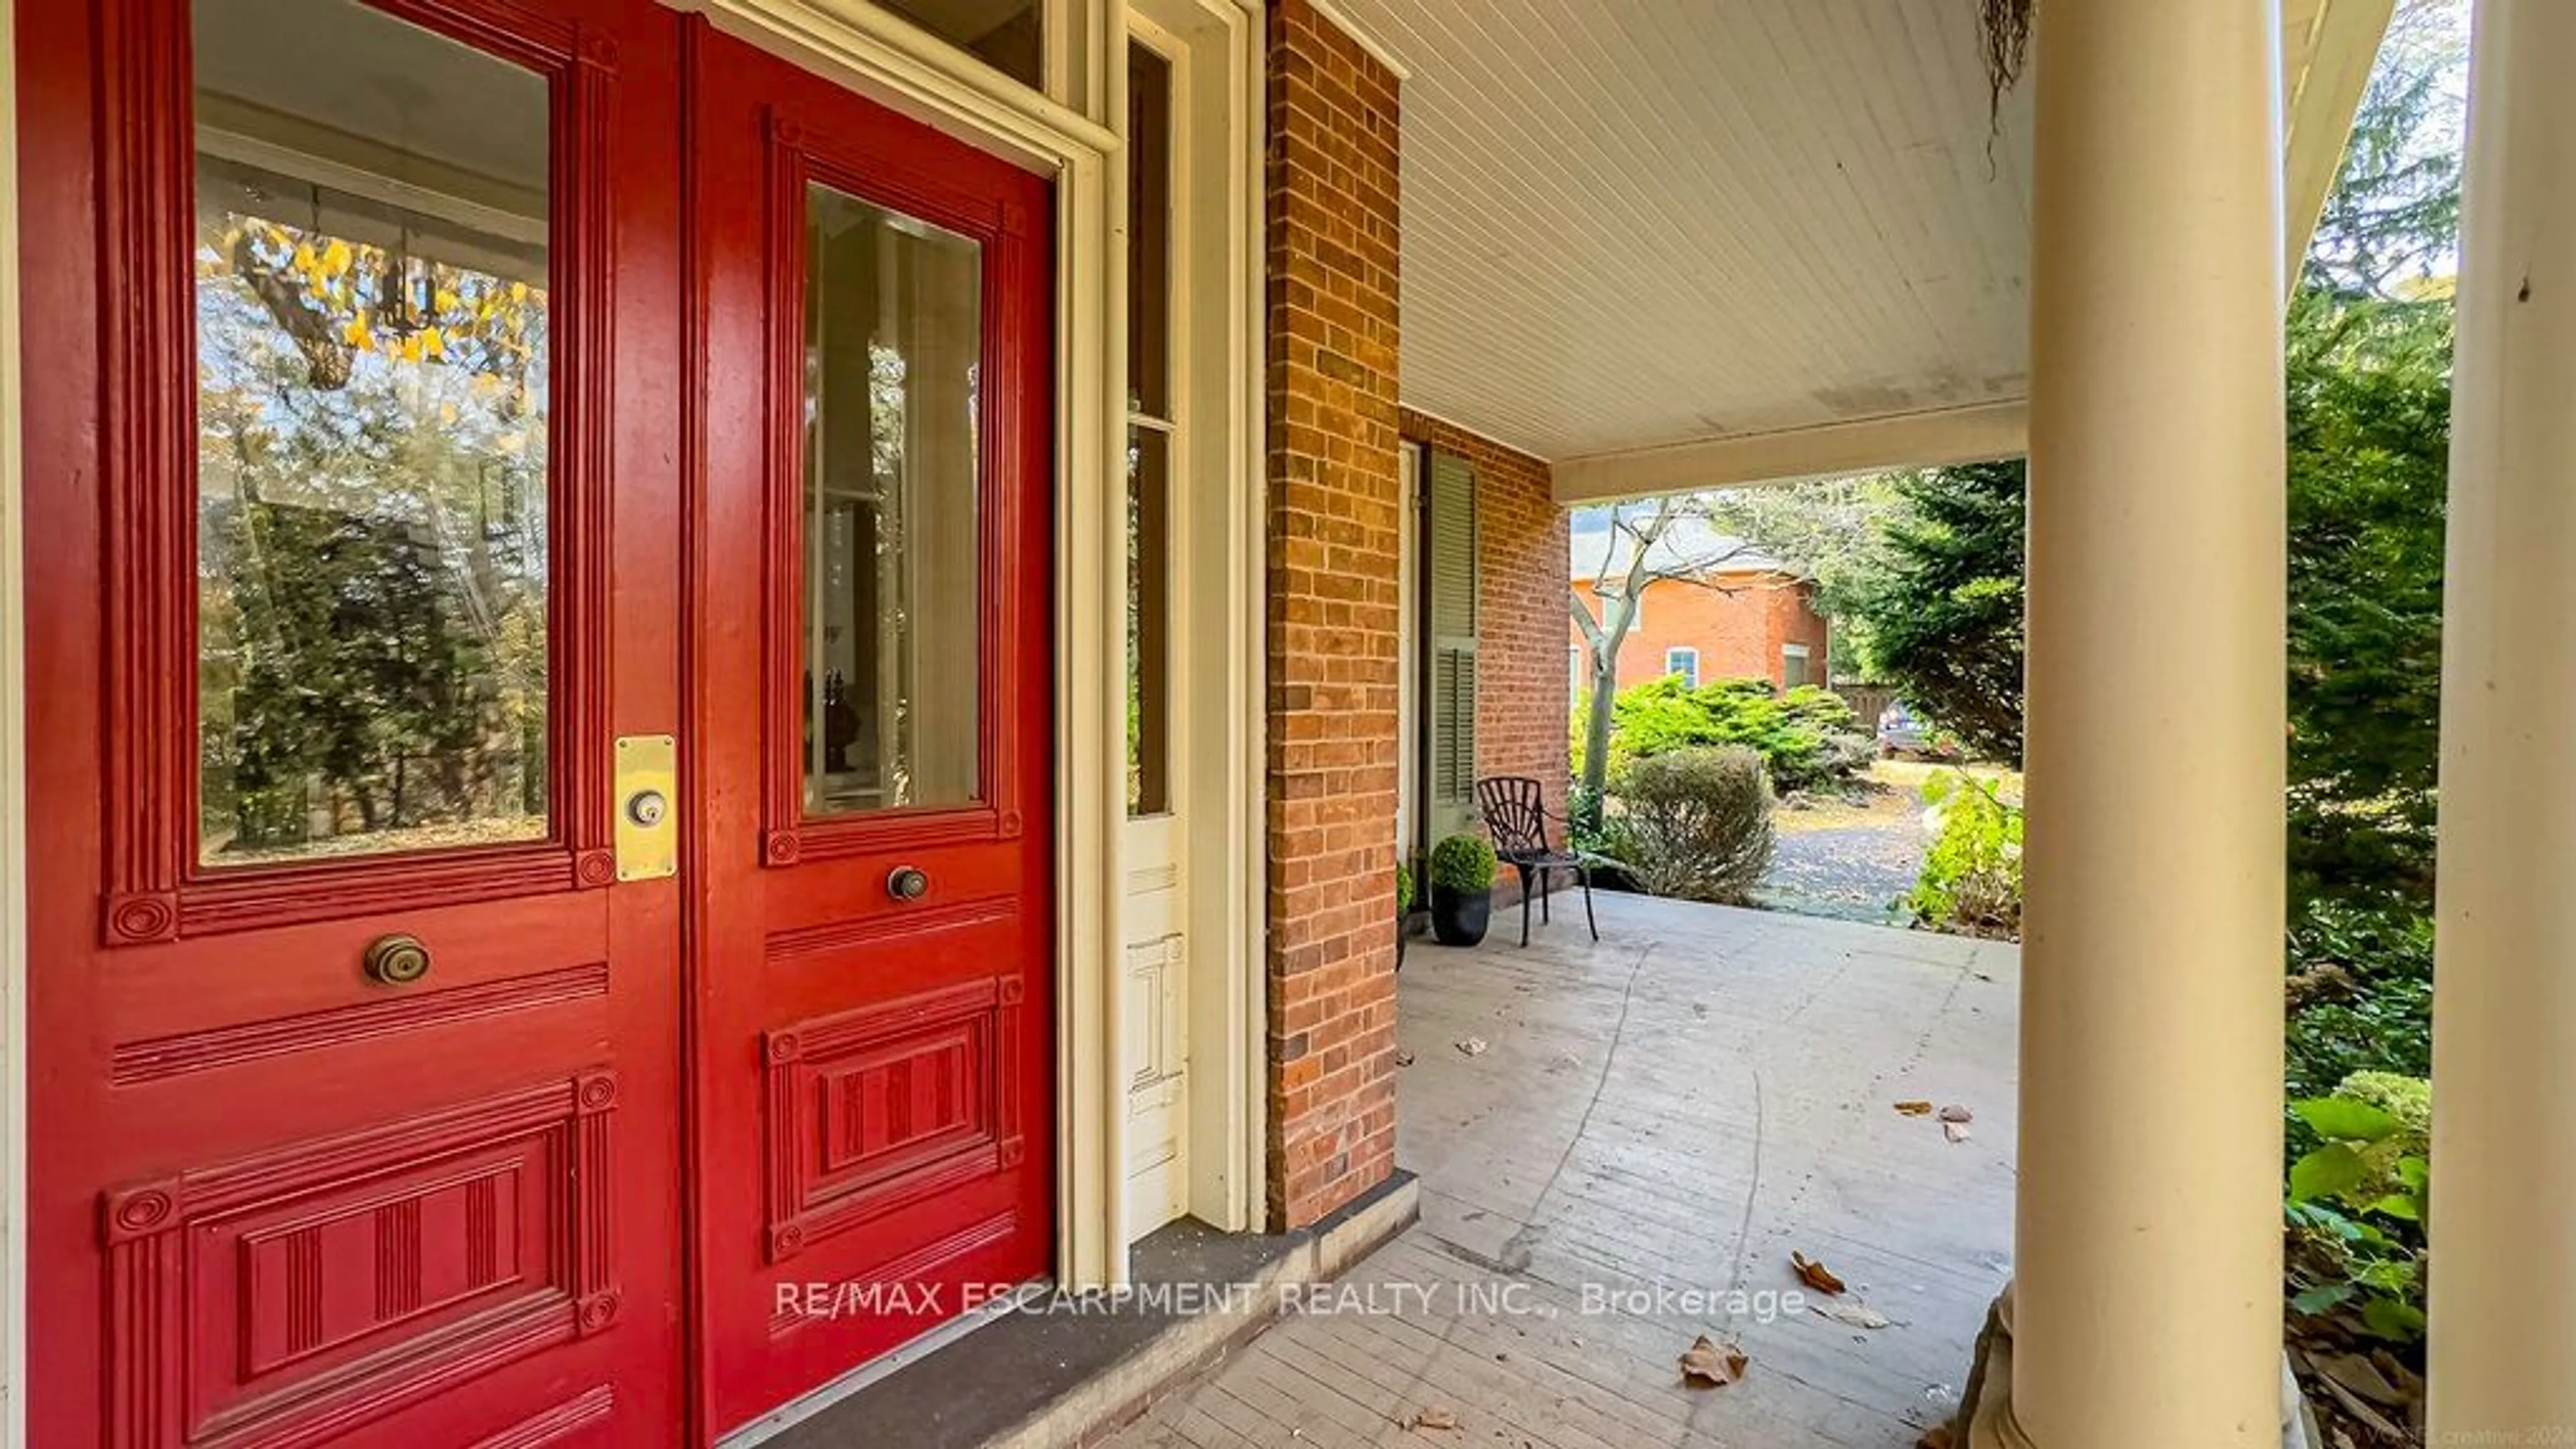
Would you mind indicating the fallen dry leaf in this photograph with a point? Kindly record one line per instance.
(1956, 1113)
(1438, 1416)
(1936, 1437)
(1852, 1314)
(1915, 1109)
(1955, 1131)
(2381, 1429)
(1814, 1274)
(1404, 1059)
(2360, 1375)
(1710, 1363)
(1473, 1046)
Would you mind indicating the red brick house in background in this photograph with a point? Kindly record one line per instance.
(1715, 608)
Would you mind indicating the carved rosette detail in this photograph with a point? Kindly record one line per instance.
(140, 1211)
(780, 848)
(134, 920)
(784, 1047)
(598, 1311)
(596, 1092)
(1010, 824)
(594, 868)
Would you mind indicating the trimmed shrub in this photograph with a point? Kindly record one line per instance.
(1463, 863)
(1693, 823)
(1807, 737)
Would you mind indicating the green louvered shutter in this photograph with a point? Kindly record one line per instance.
(1453, 644)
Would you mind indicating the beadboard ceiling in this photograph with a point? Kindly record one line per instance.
(1637, 225)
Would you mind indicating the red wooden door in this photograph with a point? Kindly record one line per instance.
(332, 391)
(875, 947)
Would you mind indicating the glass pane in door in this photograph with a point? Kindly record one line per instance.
(892, 643)
(372, 367)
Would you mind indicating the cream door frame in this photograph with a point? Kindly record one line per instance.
(1071, 132)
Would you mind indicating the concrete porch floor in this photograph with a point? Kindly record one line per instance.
(1681, 1105)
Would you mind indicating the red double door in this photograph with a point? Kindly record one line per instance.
(537, 621)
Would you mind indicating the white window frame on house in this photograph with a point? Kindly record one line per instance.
(1683, 660)
(1408, 651)
(1799, 653)
(1636, 606)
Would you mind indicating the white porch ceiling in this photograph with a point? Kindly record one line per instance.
(1677, 243)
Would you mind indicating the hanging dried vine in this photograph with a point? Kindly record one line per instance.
(2005, 27)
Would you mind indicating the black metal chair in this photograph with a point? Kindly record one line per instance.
(1516, 815)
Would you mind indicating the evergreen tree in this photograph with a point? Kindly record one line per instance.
(1946, 619)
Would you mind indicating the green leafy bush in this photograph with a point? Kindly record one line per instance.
(2360, 993)
(1693, 822)
(1403, 887)
(1462, 863)
(1807, 737)
(2356, 1205)
(1970, 883)
(1583, 812)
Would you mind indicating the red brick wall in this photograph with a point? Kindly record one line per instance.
(1738, 627)
(1521, 694)
(1335, 497)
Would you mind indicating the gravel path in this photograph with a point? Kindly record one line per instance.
(1849, 872)
(1850, 859)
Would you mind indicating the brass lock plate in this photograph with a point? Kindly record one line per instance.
(648, 812)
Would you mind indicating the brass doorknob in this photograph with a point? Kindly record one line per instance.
(907, 883)
(397, 960)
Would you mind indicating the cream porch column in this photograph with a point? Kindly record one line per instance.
(2148, 1289)
(2504, 1000)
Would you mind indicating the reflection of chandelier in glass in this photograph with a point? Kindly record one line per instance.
(402, 302)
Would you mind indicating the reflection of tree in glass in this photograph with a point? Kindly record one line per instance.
(372, 540)
(888, 423)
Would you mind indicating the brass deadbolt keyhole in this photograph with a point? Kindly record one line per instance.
(907, 883)
(648, 808)
(397, 960)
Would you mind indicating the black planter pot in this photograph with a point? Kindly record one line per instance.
(1458, 918)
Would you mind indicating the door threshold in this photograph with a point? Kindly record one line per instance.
(885, 1365)
(1055, 1369)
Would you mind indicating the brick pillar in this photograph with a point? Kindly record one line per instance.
(1333, 615)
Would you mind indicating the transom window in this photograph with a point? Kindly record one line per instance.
(1008, 35)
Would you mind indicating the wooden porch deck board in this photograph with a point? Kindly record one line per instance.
(1682, 1105)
